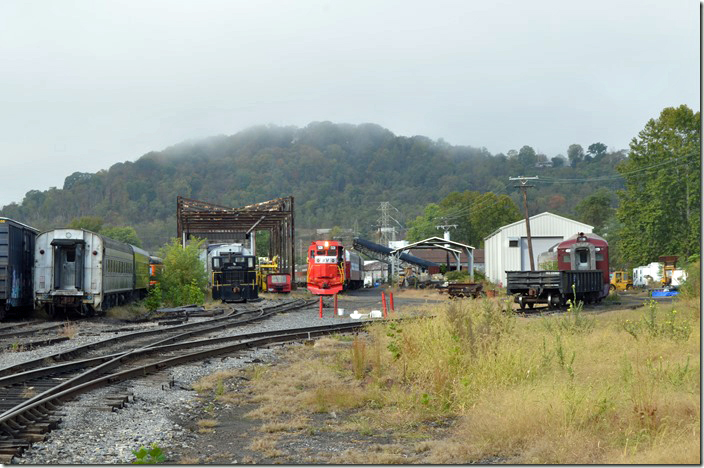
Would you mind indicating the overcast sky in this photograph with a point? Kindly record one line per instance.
(86, 84)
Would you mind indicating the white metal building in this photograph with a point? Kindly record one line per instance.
(506, 249)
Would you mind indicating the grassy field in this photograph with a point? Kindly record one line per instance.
(618, 387)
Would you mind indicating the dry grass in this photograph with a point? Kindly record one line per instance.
(391, 454)
(188, 461)
(267, 446)
(69, 330)
(214, 382)
(28, 392)
(568, 389)
(206, 426)
(291, 425)
(127, 312)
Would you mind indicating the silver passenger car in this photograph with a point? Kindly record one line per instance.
(79, 270)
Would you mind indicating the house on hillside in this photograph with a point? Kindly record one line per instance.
(506, 249)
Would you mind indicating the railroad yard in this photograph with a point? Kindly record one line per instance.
(167, 405)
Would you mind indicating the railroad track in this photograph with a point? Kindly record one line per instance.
(117, 344)
(28, 420)
(27, 330)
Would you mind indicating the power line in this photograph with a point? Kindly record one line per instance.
(550, 180)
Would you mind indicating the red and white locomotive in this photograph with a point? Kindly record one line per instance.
(332, 268)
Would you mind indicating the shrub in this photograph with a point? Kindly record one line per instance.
(183, 279)
(692, 285)
(148, 456)
(458, 276)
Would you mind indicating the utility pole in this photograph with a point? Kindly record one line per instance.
(523, 187)
(446, 228)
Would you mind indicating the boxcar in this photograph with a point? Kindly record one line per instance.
(16, 261)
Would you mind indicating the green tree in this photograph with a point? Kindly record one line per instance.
(183, 279)
(490, 212)
(125, 234)
(575, 153)
(261, 243)
(597, 150)
(90, 223)
(660, 208)
(527, 157)
(557, 161)
(423, 226)
(476, 215)
(596, 209)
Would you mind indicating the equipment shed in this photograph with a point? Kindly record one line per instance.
(506, 249)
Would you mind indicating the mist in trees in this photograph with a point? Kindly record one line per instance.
(337, 173)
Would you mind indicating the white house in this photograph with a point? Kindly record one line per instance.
(506, 249)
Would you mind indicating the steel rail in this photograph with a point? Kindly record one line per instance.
(19, 333)
(72, 353)
(102, 364)
(17, 422)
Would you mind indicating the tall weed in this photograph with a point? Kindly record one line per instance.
(674, 326)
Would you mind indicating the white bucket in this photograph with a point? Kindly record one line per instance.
(340, 311)
(375, 314)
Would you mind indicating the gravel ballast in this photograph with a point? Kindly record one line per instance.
(89, 436)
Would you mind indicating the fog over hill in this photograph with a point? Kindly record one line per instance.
(338, 173)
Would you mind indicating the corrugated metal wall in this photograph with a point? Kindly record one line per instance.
(499, 257)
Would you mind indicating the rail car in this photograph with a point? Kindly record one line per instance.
(16, 261)
(234, 273)
(79, 271)
(332, 268)
(156, 264)
(582, 274)
(278, 282)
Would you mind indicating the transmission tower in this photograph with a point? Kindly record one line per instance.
(388, 232)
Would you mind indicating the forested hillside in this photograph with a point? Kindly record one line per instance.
(338, 174)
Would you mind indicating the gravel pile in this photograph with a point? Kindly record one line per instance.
(87, 436)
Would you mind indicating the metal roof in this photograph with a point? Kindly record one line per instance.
(21, 224)
(539, 215)
(386, 251)
(434, 243)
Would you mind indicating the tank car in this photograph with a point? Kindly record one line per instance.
(16, 261)
(79, 271)
(234, 274)
(582, 274)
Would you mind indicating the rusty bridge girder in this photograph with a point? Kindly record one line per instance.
(218, 223)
